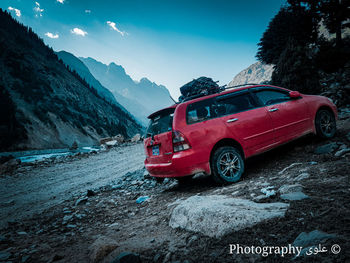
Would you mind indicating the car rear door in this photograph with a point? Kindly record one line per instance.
(290, 116)
(247, 122)
(158, 141)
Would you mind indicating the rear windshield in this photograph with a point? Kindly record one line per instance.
(160, 123)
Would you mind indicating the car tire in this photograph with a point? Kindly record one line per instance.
(325, 124)
(227, 165)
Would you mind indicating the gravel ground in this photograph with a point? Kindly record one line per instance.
(81, 226)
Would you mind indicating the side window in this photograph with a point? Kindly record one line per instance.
(236, 103)
(200, 111)
(269, 97)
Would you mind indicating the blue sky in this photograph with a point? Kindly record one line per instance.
(169, 41)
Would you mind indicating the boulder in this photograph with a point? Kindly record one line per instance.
(218, 215)
(312, 238)
(101, 248)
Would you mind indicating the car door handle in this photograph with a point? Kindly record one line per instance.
(272, 110)
(232, 120)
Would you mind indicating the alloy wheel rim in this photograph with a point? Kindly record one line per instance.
(229, 165)
(326, 124)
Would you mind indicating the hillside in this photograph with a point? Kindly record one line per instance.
(46, 105)
(139, 98)
(255, 73)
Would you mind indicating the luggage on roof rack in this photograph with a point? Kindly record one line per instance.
(199, 87)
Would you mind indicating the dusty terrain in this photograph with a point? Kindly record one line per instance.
(63, 224)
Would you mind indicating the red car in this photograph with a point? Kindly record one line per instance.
(214, 134)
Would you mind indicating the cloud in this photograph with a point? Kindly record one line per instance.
(38, 10)
(87, 11)
(114, 27)
(17, 11)
(78, 31)
(61, 1)
(50, 35)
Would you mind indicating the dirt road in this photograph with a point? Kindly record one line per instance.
(32, 190)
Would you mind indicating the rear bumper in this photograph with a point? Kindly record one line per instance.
(182, 164)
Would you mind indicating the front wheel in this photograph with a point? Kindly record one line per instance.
(325, 124)
(227, 165)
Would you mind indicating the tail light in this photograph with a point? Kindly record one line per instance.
(180, 143)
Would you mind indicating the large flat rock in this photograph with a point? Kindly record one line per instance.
(217, 215)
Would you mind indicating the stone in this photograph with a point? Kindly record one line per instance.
(101, 248)
(268, 191)
(5, 255)
(142, 199)
(294, 196)
(217, 215)
(157, 258)
(81, 201)
(289, 188)
(348, 136)
(312, 238)
(127, 257)
(288, 167)
(136, 138)
(66, 219)
(342, 152)
(302, 176)
(326, 148)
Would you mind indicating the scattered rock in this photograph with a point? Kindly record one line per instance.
(136, 138)
(268, 191)
(289, 188)
(127, 257)
(348, 136)
(342, 152)
(294, 196)
(90, 193)
(217, 215)
(302, 176)
(142, 199)
(5, 255)
(81, 201)
(101, 248)
(157, 258)
(288, 167)
(326, 148)
(312, 163)
(66, 219)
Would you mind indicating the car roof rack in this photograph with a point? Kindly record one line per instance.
(242, 85)
(221, 89)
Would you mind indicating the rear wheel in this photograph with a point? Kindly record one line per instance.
(325, 124)
(227, 165)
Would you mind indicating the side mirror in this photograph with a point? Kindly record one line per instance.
(294, 94)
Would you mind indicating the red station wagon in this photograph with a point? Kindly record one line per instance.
(214, 134)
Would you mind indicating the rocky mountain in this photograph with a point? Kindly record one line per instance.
(44, 104)
(140, 98)
(255, 73)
